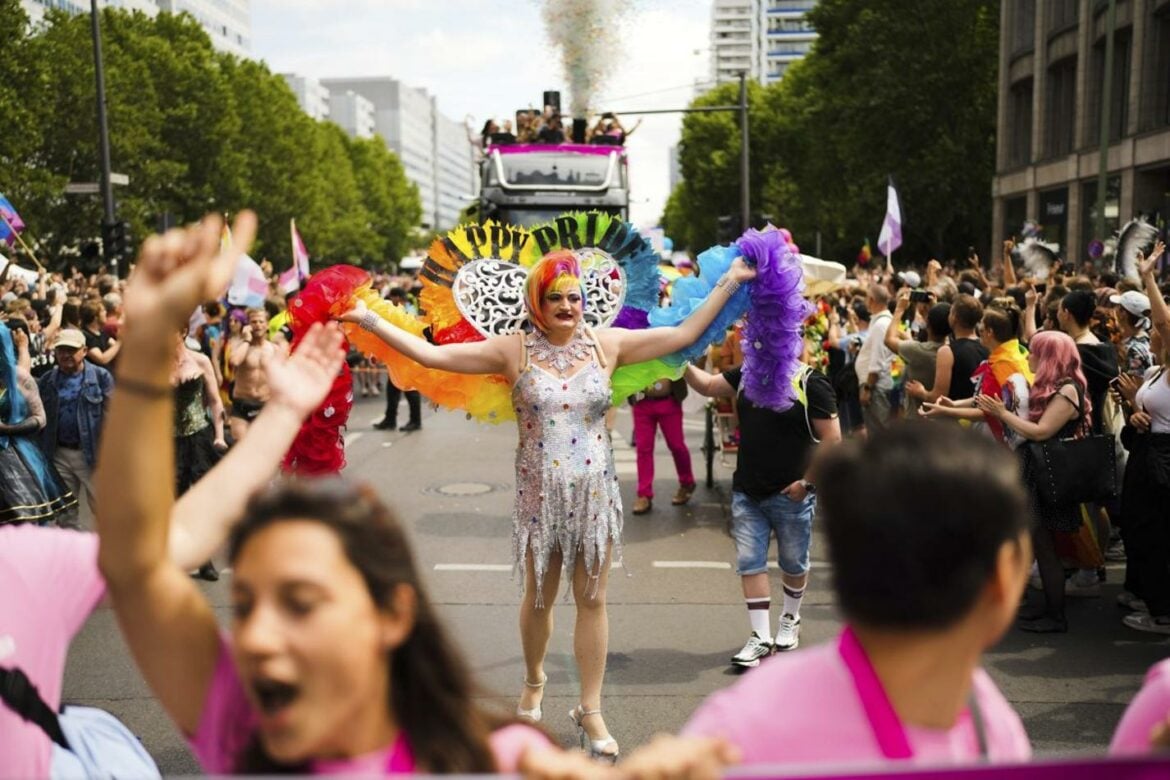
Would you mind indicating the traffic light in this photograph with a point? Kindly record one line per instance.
(116, 242)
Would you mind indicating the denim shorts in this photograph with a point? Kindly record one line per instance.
(752, 525)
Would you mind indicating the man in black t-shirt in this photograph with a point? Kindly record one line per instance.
(773, 495)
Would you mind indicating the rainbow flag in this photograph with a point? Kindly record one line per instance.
(865, 255)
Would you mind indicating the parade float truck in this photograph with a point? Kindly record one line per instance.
(526, 184)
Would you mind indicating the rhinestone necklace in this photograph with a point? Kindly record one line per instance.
(559, 358)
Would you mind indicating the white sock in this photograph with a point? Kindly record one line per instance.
(792, 599)
(758, 614)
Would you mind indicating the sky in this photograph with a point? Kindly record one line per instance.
(487, 58)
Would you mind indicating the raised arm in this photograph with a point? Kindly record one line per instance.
(1030, 299)
(708, 384)
(1009, 268)
(205, 514)
(1159, 311)
(493, 356)
(169, 626)
(635, 346)
(894, 335)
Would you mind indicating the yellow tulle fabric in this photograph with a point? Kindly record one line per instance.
(486, 397)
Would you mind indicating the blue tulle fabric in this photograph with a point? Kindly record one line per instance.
(690, 292)
(773, 338)
(14, 410)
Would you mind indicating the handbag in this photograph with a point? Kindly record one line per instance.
(1069, 471)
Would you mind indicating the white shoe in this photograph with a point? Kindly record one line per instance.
(1083, 584)
(787, 633)
(533, 714)
(596, 749)
(757, 647)
(1143, 622)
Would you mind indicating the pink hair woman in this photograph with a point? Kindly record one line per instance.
(1058, 407)
(568, 513)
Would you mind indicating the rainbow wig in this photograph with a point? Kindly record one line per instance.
(558, 271)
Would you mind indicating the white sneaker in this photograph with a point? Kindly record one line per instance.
(1144, 622)
(1083, 584)
(788, 633)
(757, 647)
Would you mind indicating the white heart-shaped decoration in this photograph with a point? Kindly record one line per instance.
(490, 292)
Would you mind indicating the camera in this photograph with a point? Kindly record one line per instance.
(919, 296)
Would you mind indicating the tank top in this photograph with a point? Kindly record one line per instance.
(190, 414)
(1154, 397)
(968, 353)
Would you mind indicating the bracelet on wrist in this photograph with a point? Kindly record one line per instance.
(729, 285)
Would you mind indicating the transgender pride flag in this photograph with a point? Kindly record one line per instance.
(891, 235)
(11, 223)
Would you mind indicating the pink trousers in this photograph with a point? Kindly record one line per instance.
(665, 413)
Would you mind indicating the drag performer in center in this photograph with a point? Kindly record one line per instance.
(551, 326)
(568, 505)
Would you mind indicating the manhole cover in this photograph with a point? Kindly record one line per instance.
(462, 489)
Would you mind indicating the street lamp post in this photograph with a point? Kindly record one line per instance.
(745, 195)
(107, 186)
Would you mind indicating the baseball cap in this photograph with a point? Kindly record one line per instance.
(70, 338)
(1134, 302)
(910, 278)
(8, 297)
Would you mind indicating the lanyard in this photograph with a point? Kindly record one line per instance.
(887, 726)
(401, 760)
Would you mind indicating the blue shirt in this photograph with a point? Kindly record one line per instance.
(68, 389)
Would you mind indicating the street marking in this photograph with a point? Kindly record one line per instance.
(351, 438)
(691, 565)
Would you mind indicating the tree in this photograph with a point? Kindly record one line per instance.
(892, 87)
(196, 131)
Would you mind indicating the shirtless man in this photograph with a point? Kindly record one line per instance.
(250, 353)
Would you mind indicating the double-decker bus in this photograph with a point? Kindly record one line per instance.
(525, 184)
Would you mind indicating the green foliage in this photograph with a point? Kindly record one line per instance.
(892, 87)
(196, 131)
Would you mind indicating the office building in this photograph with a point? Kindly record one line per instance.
(759, 37)
(353, 113)
(311, 95)
(1051, 85)
(434, 150)
(227, 22)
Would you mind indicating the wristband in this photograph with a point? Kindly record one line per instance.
(369, 321)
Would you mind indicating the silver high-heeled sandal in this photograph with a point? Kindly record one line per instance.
(533, 714)
(594, 748)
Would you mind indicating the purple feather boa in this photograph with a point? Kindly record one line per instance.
(773, 338)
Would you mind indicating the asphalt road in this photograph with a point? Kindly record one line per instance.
(675, 616)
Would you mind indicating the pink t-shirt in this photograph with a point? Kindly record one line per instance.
(1150, 707)
(805, 707)
(49, 585)
(229, 721)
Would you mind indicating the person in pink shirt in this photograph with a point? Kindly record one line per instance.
(928, 537)
(50, 577)
(1145, 726)
(336, 662)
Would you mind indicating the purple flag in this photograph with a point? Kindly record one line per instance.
(11, 224)
(891, 235)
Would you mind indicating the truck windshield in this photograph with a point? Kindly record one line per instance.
(553, 170)
(537, 216)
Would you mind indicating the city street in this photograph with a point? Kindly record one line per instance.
(676, 612)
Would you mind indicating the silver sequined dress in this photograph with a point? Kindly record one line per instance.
(567, 493)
